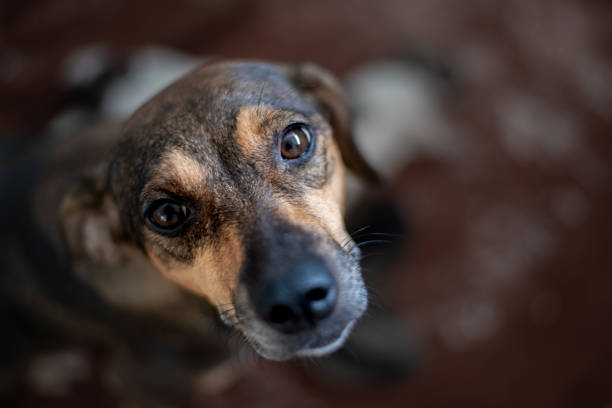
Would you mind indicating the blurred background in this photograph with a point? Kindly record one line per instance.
(492, 121)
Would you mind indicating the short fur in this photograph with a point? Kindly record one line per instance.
(211, 139)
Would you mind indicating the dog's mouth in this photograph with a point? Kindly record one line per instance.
(328, 348)
(315, 343)
(304, 305)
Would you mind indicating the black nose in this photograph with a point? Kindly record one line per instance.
(299, 298)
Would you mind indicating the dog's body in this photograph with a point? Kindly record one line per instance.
(229, 183)
(57, 300)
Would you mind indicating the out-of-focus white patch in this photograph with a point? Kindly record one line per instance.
(397, 114)
(467, 323)
(150, 69)
(532, 130)
(69, 121)
(86, 64)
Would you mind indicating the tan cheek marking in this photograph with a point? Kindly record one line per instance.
(336, 185)
(324, 206)
(214, 272)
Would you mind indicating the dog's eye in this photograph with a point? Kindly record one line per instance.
(167, 215)
(295, 142)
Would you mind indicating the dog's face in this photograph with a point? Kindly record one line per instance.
(231, 180)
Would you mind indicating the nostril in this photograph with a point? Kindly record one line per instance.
(284, 318)
(319, 303)
(316, 294)
(280, 314)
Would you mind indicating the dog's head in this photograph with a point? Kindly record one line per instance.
(231, 180)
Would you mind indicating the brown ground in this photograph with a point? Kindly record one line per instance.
(506, 280)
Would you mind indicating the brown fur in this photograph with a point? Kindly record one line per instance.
(210, 141)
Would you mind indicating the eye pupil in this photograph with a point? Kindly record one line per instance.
(292, 143)
(168, 215)
(295, 142)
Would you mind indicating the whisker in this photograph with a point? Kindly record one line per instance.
(382, 234)
(374, 241)
(359, 230)
(366, 256)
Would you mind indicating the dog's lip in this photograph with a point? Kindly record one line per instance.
(329, 347)
(316, 347)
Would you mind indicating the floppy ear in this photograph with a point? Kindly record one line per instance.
(328, 94)
(90, 220)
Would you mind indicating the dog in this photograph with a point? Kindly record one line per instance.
(225, 189)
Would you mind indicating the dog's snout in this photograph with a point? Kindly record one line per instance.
(298, 298)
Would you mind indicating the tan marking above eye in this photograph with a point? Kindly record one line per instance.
(182, 169)
(254, 125)
(248, 126)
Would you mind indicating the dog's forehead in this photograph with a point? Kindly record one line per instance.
(243, 83)
(192, 129)
(205, 104)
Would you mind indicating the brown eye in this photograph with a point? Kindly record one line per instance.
(294, 142)
(166, 215)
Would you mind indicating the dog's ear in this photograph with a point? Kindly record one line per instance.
(90, 220)
(328, 94)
